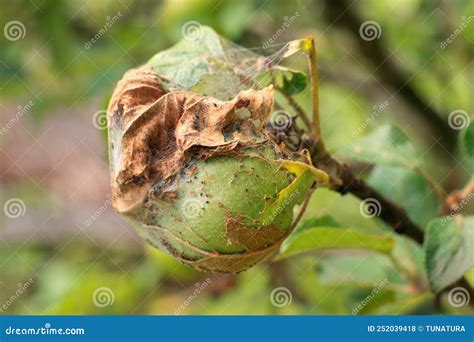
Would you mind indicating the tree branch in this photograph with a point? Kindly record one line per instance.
(344, 181)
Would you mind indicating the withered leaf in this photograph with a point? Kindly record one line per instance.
(252, 239)
(210, 261)
(231, 264)
(152, 130)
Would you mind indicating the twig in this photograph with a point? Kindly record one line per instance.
(302, 209)
(341, 177)
(438, 189)
(452, 202)
(344, 181)
(297, 108)
(313, 70)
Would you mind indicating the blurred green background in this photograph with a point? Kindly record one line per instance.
(77, 257)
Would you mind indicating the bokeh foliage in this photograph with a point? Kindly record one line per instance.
(52, 67)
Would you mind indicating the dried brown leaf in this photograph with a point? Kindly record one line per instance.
(152, 131)
(252, 239)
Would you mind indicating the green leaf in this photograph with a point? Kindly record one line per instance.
(291, 81)
(409, 189)
(449, 250)
(335, 238)
(354, 268)
(296, 84)
(410, 256)
(346, 208)
(387, 146)
(325, 220)
(208, 64)
(192, 56)
(212, 65)
(470, 276)
(295, 192)
(399, 174)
